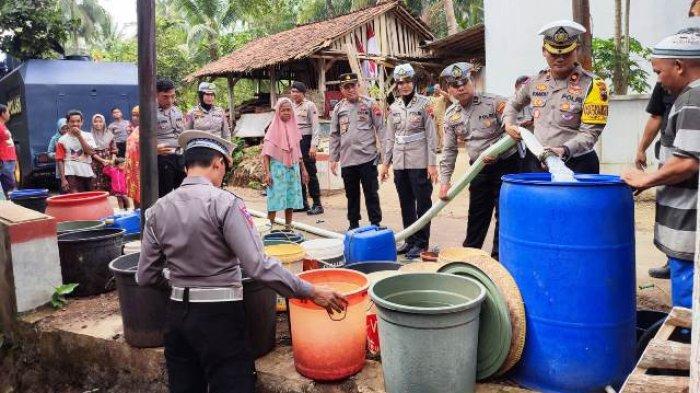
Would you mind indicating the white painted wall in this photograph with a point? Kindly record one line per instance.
(513, 47)
(617, 146)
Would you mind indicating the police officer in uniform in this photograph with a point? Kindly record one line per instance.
(200, 240)
(206, 116)
(475, 118)
(307, 120)
(410, 145)
(356, 125)
(569, 104)
(171, 165)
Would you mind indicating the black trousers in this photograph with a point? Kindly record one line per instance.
(415, 191)
(171, 173)
(310, 165)
(483, 198)
(121, 149)
(365, 175)
(207, 348)
(587, 163)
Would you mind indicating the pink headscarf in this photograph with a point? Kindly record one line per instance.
(282, 138)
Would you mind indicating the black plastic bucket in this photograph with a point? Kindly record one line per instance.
(260, 304)
(142, 308)
(371, 267)
(31, 198)
(85, 258)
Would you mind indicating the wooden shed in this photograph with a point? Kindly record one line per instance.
(374, 39)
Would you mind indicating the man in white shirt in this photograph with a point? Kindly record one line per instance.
(74, 156)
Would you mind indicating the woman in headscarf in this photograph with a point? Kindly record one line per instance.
(133, 184)
(105, 151)
(61, 129)
(281, 156)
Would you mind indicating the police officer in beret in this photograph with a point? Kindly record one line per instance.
(476, 119)
(569, 104)
(356, 126)
(200, 240)
(206, 116)
(410, 146)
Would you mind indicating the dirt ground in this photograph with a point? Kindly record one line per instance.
(448, 229)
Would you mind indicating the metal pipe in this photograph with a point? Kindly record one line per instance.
(301, 226)
(146, 11)
(496, 149)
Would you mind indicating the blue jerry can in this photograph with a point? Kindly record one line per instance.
(369, 243)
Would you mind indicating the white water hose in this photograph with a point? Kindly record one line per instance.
(495, 150)
(301, 226)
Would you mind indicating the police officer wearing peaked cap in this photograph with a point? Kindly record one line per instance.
(356, 126)
(409, 145)
(206, 116)
(569, 104)
(206, 239)
(475, 118)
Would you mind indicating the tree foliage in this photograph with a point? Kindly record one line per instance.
(606, 59)
(33, 29)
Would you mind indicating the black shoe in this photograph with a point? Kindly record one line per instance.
(315, 210)
(663, 272)
(402, 249)
(303, 209)
(353, 225)
(414, 252)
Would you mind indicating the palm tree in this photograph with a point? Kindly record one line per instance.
(90, 15)
(208, 20)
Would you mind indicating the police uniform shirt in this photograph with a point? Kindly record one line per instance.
(170, 126)
(569, 112)
(120, 130)
(307, 120)
(410, 134)
(355, 129)
(206, 238)
(212, 121)
(479, 124)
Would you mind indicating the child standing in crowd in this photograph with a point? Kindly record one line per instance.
(117, 175)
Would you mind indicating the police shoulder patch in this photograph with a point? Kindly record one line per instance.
(595, 106)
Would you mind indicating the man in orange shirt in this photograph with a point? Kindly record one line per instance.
(8, 156)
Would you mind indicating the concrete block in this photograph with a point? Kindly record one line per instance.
(30, 268)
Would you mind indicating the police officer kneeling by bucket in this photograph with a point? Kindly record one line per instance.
(201, 239)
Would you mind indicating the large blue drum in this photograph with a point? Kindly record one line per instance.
(570, 248)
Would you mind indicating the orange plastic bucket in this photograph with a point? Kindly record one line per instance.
(80, 206)
(330, 347)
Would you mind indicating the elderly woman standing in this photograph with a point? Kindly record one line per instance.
(133, 169)
(281, 158)
(105, 151)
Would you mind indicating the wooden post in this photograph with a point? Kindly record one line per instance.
(695, 333)
(322, 83)
(582, 14)
(231, 104)
(146, 17)
(273, 86)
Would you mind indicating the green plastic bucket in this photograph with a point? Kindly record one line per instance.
(72, 226)
(428, 330)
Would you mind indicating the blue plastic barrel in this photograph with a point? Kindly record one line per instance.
(570, 249)
(31, 198)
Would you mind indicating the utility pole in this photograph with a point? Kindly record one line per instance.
(146, 12)
(581, 11)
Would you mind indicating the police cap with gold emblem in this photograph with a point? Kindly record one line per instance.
(196, 138)
(350, 77)
(561, 37)
(404, 73)
(207, 87)
(457, 74)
